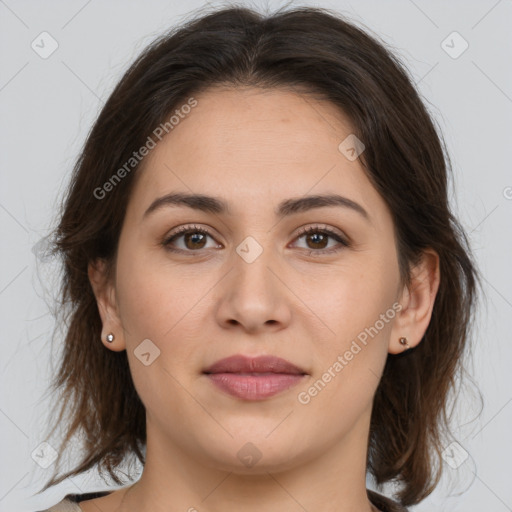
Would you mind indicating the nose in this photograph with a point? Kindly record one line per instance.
(254, 296)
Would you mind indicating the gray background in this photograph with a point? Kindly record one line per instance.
(48, 105)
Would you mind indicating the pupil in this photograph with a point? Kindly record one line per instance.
(193, 237)
(315, 236)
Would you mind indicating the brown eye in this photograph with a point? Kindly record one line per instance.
(193, 239)
(317, 240)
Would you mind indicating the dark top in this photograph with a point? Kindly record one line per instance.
(383, 503)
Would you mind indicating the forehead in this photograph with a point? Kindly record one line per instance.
(259, 123)
(254, 146)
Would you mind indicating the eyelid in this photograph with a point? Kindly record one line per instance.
(331, 232)
(186, 228)
(322, 227)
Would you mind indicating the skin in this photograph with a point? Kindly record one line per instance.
(209, 303)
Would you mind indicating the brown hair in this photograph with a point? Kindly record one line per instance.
(312, 50)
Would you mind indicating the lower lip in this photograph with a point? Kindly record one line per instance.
(254, 387)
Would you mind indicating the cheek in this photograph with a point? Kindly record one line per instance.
(349, 359)
(155, 297)
(354, 297)
(157, 304)
(356, 303)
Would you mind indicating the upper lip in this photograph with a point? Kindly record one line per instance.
(260, 364)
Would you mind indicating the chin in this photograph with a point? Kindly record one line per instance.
(258, 454)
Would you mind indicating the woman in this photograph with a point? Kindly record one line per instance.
(269, 297)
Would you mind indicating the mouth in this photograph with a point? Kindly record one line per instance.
(254, 378)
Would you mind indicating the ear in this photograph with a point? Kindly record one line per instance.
(417, 301)
(105, 293)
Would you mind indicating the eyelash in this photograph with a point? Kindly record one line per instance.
(304, 231)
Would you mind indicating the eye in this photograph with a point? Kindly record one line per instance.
(194, 239)
(318, 239)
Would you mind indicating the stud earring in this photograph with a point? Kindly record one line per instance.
(403, 341)
(110, 338)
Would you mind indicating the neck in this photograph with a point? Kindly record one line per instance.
(331, 481)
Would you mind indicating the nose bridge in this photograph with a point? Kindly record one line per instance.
(253, 296)
(252, 259)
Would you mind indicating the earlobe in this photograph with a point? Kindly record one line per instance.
(104, 291)
(417, 302)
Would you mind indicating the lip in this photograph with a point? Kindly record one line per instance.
(254, 378)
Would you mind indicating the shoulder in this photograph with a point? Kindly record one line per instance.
(383, 503)
(64, 506)
(70, 502)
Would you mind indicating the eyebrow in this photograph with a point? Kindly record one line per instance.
(211, 204)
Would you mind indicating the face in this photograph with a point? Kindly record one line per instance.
(248, 280)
